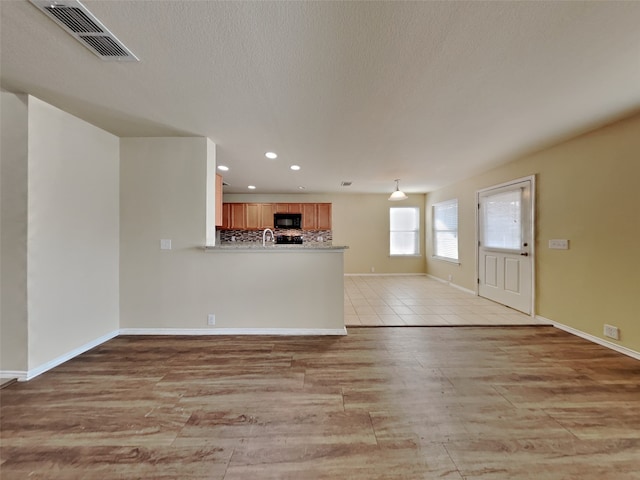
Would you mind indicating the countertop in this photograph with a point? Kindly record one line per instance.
(270, 247)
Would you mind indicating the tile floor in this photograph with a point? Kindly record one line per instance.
(418, 300)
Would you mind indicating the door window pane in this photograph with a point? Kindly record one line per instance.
(501, 214)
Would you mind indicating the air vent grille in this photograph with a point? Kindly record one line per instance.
(105, 46)
(74, 19)
(80, 23)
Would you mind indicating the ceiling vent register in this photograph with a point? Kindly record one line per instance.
(81, 24)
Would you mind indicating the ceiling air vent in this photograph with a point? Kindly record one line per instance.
(80, 23)
(346, 184)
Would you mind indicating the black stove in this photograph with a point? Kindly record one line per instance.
(288, 239)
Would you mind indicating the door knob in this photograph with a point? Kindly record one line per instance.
(525, 254)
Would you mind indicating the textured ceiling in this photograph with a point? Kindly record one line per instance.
(428, 92)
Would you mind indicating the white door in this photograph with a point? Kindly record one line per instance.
(505, 244)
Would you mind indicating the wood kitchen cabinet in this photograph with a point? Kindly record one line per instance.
(237, 215)
(295, 207)
(323, 216)
(258, 216)
(226, 216)
(266, 215)
(309, 216)
(316, 216)
(219, 215)
(253, 217)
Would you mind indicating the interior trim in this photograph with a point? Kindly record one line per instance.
(68, 356)
(233, 331)
(592, 338)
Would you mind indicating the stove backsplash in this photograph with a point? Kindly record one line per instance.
(308, 236)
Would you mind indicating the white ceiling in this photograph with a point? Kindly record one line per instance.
(428, 92)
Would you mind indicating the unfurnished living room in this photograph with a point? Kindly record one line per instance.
(319, 239)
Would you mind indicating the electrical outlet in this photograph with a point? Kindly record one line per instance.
(450, 278)
(373, 269)
(165, 244)
(611, 332)
(211, 319)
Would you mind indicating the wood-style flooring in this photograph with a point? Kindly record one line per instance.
(390, 403)
(418, 300)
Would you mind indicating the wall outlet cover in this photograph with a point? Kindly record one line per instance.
(611, 332)
(559, 244)
(165, 244)
(211, 319)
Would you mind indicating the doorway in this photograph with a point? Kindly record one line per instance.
(505, 219)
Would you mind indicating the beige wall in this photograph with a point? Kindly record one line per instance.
(587, 193)
(163, 195)
(13, 232)
(360, 221)
(60, 241)
(73, 244)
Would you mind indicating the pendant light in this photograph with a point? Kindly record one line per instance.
(398, 194)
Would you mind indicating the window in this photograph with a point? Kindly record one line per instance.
(445, 230)
(404, 231)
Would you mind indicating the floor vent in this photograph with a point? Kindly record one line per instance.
(80, 23)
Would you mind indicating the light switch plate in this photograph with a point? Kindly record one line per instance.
(559, 244)
(165, 244)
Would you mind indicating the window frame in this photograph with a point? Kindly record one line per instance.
(416, 232)
(435, 231)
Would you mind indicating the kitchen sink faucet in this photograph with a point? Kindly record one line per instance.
(264, 236)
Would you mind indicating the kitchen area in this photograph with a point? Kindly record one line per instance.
(290, 223)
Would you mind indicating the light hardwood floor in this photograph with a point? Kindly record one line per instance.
(380, 403)
(417, 300)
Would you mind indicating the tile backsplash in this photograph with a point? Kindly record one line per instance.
(308, 236)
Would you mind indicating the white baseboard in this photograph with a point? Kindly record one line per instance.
(441, 280)
(465, 290)
(34, 372)
(20, 375)
(384, 274)
(233, 331)
(592, 338)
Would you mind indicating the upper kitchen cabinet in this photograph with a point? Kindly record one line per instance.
(295, 207)
(226, 216)
(258, 216)
(238, 217)
(323, 216)
(266, 214)
(309, 216)
(219, 213)
(316, 216)
(253, 216)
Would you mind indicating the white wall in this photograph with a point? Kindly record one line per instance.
(163, 196)
(73, 240)
(13, 232)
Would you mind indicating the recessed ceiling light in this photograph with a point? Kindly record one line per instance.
(271, 155)
(251, 187)
(295, 167)
(223, 168)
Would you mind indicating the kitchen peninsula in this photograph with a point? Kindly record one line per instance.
(281, 289)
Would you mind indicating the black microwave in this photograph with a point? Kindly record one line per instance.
(287, 220)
